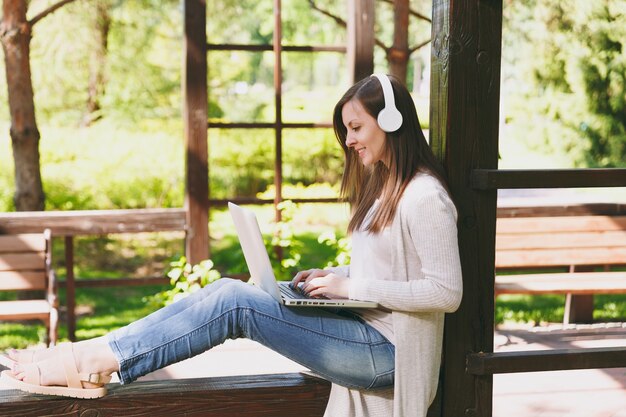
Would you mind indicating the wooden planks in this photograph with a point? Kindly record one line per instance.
(86, 222)
(560, 224)
(23, 280)
(22, 243)
(22, 261)
(562, 283)
(25, 264)
(280, 395)
(25, 310)
(561, 257)
(560, 241)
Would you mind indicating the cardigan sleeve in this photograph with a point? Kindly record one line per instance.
(433, 268)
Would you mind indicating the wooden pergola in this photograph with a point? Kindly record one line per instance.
(464, 128)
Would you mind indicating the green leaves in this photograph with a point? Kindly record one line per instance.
(186, 279)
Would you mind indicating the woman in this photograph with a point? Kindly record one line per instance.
(405, 258)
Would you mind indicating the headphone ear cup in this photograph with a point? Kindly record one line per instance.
(389, 119)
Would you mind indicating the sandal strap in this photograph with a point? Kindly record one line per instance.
(95, 378)
(72, 377)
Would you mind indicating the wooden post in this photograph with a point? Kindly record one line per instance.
(278, 117)
(70, 293)
(579, 307)
(465, 90)
(195, 115)
(360, 39)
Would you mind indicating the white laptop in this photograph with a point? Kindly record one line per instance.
(261, 272)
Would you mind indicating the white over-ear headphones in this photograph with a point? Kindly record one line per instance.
(389, 118)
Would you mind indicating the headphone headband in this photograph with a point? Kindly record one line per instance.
(389, 119)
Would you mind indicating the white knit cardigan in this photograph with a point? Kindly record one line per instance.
(426, 284)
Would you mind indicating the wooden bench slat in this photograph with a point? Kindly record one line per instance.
(27, 242)
(23, 280)
(526, 225)
(561, 257)
(22, 261)
(562, 283)
(561, 240)
(24, 310)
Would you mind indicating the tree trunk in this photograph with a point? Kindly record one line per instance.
(97, 79)
(398, 54)
(15, 34)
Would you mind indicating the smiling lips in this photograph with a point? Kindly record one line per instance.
(360, 151)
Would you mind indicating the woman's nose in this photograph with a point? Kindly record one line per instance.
(350, 140)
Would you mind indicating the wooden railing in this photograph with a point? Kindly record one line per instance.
(68, 224)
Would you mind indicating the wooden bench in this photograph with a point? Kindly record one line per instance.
(583, 251)
(69, 224)
(277, 395)
(25, 265)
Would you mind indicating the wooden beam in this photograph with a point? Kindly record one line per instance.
(545, 360)
(93, 222)
(278, 113)
(361, 15)
(493, 179)
(70, 292)
(268, 48)
(280, 395)
(195, 115)
(267, 125)
(464, 124)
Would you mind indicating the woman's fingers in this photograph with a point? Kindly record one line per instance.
(303, 276)
(296, 280)
(331, 285)
(316, 287)
(307, 276)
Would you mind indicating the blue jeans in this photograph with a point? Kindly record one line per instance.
(337, 345)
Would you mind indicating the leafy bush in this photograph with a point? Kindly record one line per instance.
(342, 248)
(283, 241)
(185, 279)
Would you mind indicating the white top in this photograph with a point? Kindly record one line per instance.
(425, 284)
(371, 259)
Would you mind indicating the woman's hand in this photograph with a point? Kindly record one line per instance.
(322, 283)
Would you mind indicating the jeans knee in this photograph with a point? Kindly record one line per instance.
(234, 292)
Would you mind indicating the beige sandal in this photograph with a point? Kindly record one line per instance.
(79, 385)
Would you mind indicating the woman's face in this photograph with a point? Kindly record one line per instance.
(364, 135)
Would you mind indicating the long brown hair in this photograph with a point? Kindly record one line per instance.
(406, 150)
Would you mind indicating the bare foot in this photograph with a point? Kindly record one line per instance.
(31, 355)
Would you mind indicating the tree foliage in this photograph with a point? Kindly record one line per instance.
(571, 58)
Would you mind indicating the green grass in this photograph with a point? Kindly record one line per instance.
(109, 309)
(540, 309)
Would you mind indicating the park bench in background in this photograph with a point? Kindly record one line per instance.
(583, 251)
(26, 265)
(68, 224)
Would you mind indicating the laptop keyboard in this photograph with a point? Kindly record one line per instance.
(290, 293)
